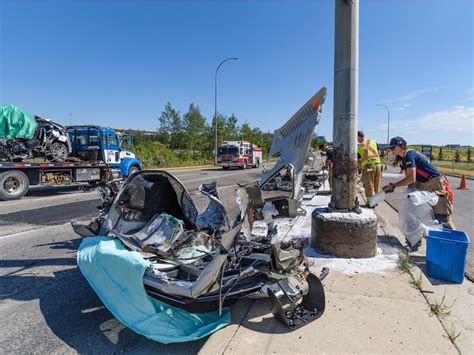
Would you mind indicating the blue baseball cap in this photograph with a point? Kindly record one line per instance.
(397, 141)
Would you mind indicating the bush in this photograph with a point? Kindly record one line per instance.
(155, 154)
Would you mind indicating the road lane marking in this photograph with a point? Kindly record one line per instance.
(19, 234)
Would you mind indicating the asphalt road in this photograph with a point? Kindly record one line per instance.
(463, 208)
(46, 306)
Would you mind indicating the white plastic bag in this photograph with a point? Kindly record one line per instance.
(416, 215)
(419, 197)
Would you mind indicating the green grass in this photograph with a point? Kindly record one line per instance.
(449, 154)
(448, 167)
(452, 334)
(439, 308)
(418, 283)
(404, 262)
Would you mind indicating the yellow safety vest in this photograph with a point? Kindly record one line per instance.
(368, 152)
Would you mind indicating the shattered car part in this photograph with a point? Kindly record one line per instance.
(292, 141)
(212, 263)
(310, 308)
(49, 141)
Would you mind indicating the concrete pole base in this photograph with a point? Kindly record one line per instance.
(344, 234)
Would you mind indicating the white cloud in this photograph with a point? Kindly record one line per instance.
(458, 119)
(470, 92)
(416, 93)
(455, 125)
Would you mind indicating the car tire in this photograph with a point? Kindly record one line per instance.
(244, 165)
(58, 151)
(225, 167)
(13, 185)
(257, 164)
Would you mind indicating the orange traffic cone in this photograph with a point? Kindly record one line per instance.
(463, 185)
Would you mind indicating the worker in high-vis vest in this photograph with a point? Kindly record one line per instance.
(423, 175)
(369, 164)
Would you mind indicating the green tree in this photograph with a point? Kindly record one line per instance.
(195, 130)
(177, 130)
(441, 155)
(267, 143)
(457, 156)
(245, 132)
(469, 154)
(231, 127)
(166, 122)
(316, 142)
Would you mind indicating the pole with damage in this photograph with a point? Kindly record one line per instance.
(346, 81)
(344, 229)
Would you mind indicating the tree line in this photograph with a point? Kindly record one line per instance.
(191, 133)
(185, 139)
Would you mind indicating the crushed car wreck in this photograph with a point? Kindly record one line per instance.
(196, 265)
(25, 136)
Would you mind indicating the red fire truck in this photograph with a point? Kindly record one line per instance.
(240, 154)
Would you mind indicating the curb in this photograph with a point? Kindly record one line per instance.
(460, 176)
(188, 167)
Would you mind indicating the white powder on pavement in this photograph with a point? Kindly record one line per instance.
(386, 259)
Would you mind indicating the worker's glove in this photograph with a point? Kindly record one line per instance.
(388, 188)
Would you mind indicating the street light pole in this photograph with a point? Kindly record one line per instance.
(388, 124)
(215, 105)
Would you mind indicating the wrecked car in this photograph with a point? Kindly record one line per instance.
(203, 263)
(25, 136)
(284, 184)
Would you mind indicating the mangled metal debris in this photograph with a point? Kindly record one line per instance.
(197, 262)
(205, 262)
(24, 136)
(292, 142)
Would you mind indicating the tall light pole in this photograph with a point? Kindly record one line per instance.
(388, 123)
(346, 103)
(215, 105)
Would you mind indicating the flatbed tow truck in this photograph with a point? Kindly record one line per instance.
(96, 156)
(17, 177)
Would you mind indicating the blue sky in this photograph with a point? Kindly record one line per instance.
(117, 63)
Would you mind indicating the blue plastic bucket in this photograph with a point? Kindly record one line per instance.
(446, 252)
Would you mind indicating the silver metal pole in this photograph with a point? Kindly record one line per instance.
(346, 82)
(215, 106)
(388, 124)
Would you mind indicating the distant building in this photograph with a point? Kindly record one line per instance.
(453, 146)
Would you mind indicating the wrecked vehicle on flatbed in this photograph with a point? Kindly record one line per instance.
(205, 262)
(25, 136)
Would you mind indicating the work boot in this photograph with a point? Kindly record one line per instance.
(413, 248)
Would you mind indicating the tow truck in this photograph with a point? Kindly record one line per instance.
(96, 156)
(94, 143)
(241, 154)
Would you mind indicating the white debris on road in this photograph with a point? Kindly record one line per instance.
(300, 227)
